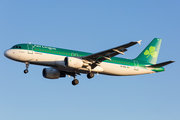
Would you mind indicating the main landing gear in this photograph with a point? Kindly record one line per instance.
(27, 65)
(90, 75)
(76, 81)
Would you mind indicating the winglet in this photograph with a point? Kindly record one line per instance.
(139, 42)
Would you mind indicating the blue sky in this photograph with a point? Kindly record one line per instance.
(90, 26)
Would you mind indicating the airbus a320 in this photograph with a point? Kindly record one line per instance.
(62, 62)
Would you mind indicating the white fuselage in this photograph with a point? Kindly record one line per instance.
(57, 61)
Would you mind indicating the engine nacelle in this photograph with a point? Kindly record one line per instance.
(73, 62)
(52, 73)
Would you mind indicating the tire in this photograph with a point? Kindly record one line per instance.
(75, 82)
(90, 75)
(25, 71)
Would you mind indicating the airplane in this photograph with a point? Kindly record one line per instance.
(62, 62)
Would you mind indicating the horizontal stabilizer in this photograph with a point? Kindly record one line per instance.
(160, 64)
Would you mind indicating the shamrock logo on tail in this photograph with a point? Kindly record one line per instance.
(151, 52)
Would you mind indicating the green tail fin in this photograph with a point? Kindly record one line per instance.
(150, 53)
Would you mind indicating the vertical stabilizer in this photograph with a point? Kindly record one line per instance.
(150, 53)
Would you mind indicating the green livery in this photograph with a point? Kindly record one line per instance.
(66, 52)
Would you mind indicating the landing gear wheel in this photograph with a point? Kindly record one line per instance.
(26, 71)
(27, 65)
(75, 82)
(90, 75)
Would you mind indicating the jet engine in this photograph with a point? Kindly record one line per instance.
(52, 73)
(73, 62)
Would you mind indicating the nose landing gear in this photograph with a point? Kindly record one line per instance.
(26, 71)
(27, 65)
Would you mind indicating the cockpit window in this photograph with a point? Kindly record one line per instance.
(16, 46)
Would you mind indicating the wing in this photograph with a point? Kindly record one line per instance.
(107, 54)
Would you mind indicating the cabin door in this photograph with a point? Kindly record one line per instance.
(136, 65)
(30, 48)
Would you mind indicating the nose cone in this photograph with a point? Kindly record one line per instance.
(8, 54)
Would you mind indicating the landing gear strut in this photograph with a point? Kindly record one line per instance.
(90, 75)
(75, 81)
(27, 65)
